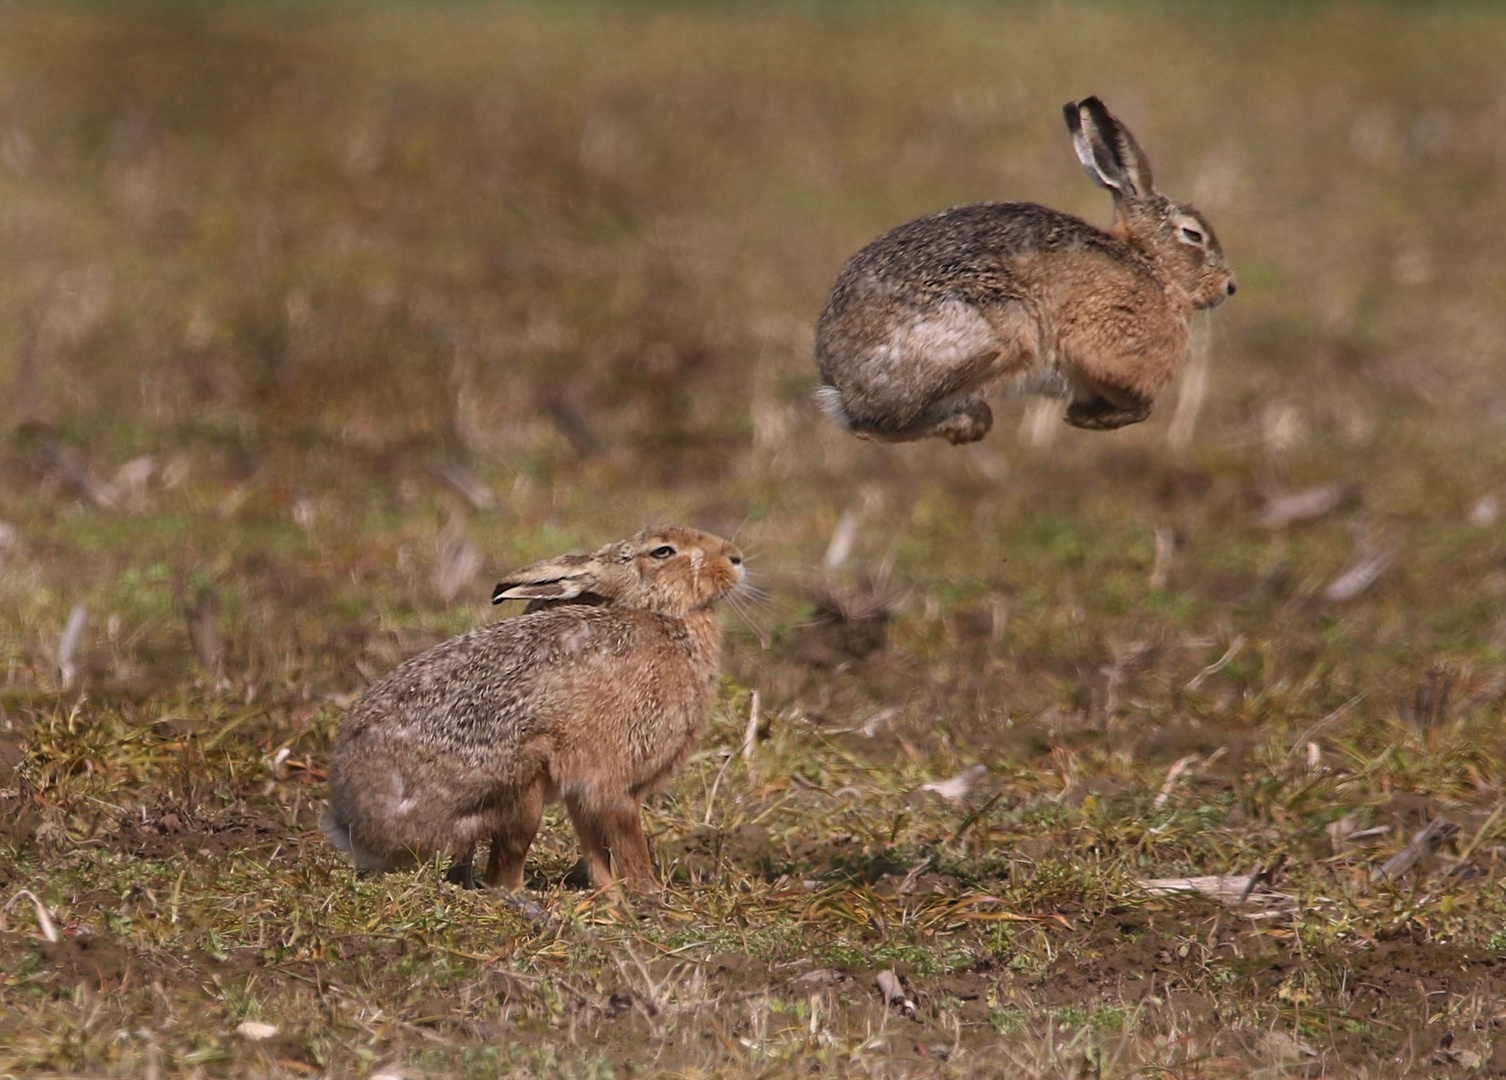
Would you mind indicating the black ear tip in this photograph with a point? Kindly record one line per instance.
(497, 596)
(1097, 110)
(1074, 118)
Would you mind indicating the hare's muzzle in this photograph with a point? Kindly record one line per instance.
(1216, 295)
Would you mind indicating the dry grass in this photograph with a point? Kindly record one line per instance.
(318, 317)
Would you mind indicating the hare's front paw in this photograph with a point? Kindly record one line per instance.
(1101, 414)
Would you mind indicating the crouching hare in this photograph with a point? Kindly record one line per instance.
(932, 316)
(594, 695)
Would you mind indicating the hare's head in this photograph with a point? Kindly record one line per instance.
(670, 569)
(1174, 234)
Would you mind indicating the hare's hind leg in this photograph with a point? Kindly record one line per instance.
(956, 419)
(968, 352)
(517, 823)
(950, 407)
(462, 871)
(960, 422)
(924, 372)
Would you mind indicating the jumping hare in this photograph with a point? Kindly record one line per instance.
(594, 695)
(932, 316)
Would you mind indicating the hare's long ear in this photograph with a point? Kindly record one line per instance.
(566, 578)
(1107, 150)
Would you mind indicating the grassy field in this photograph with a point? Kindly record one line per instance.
(315, 319)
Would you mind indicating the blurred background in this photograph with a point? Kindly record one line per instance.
(320, 315)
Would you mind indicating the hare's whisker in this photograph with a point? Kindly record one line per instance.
(760, 631)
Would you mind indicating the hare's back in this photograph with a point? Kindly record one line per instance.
(971, 252)
(503, 681)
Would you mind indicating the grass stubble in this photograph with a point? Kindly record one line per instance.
(395, 298)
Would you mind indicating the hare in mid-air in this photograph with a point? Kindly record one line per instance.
(932, 316)
(594, 695)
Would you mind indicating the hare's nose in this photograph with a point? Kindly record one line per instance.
(1230, 288)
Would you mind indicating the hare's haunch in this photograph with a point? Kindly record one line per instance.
(931, 317)
(594, 696)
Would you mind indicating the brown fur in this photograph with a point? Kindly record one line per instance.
(933, 315)
(595, 702)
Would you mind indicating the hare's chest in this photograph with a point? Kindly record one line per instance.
(668, 724)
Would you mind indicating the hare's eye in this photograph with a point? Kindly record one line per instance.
(1191, 235)
(662, 552)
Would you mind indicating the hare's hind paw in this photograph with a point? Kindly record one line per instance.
(462, 872)
(969, 423)
(1100, 414)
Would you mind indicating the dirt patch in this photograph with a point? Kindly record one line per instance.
(701, 854)
(1406, 1007)
(184, 830)
(11, 754)
(77, 959)
(1401, 997)
(18, 816)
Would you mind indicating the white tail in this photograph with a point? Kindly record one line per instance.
(829, 401)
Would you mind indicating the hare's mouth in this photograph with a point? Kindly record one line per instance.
(1229, 289)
